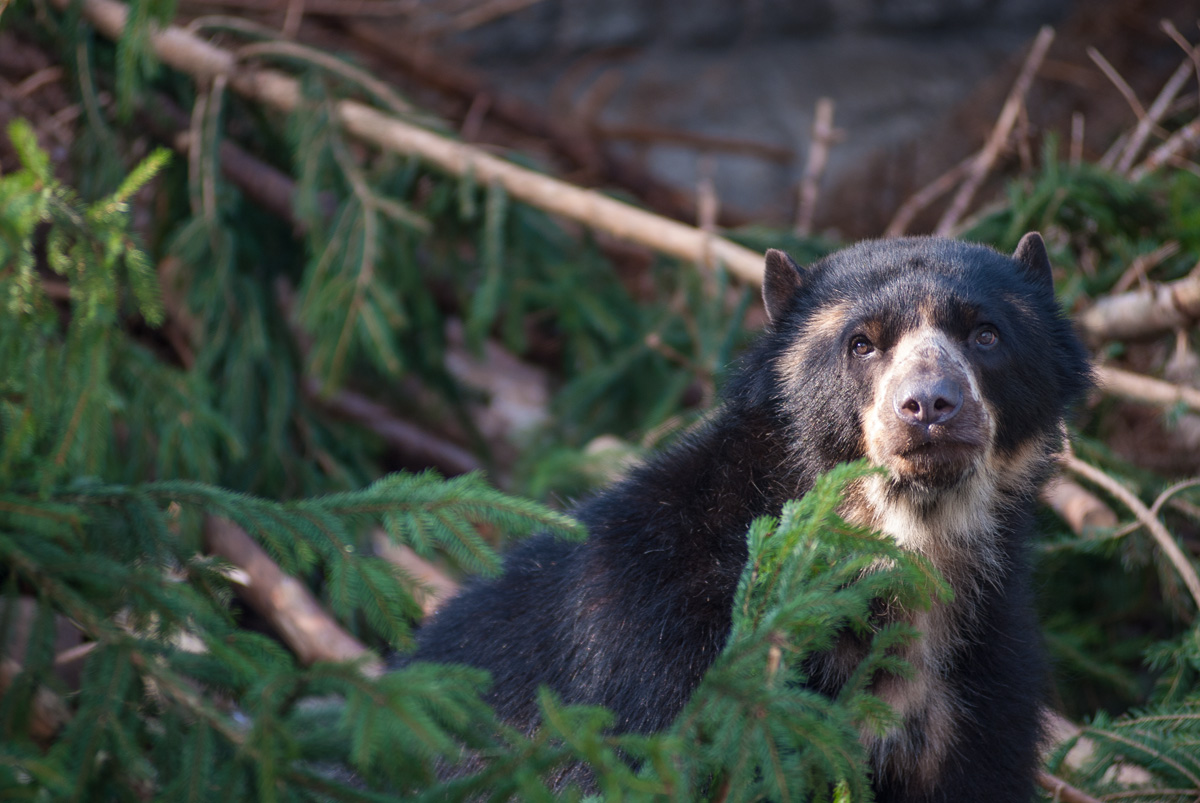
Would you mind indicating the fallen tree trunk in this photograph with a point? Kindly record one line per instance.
(1143, 313)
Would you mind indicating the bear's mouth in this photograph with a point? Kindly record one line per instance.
(938, 462)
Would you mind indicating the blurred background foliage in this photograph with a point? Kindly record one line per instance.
(183, 338)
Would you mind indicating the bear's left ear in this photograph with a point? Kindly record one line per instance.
(781, 280)
(1031, 256)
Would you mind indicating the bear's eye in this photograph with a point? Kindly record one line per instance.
(861, 347)
(986, 337)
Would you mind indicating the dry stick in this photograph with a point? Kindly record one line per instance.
(1159, 532)
(332, 64)
(1143, 265)
(927, 195)
(1061, 790)
(1150, 120)
(1143, 313)
(1076, 152)
(824, 135)
(415, 442)
(1120, 83)
(1081, 509)
(566, 139)
(202, 60)
(1182, 141)
(432, 586)
(47, 711)
(1192, 51)
(1137, 387)
(283, 600)
(1000, 133)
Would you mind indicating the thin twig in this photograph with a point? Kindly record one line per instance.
(1157, 109)
(1179, 143)
(1192, 51)
(1165, 540)
(292, 18)
(1143, 264)
(1120, 83)
(413, 441)
(927, 195)
(824, 135)
(575, 146)
(349, 72)
(75, 653)
(1076, 152)
(1061, 790)
(481, 14)
(999, 135)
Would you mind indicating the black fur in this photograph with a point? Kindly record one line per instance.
(631, 618)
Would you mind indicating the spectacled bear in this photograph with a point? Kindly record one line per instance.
(948, 364)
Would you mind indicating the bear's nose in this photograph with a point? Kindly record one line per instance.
(928, 400)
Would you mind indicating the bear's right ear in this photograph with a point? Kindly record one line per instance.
(781, 280)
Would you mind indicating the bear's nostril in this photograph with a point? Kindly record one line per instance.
(928, 400)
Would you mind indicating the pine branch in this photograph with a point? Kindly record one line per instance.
(1061, 790)
(283, 600)
(203, 61)
(48, 714)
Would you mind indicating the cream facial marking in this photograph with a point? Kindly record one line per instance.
(824, 324)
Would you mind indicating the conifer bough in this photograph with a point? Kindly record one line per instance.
(203, 61)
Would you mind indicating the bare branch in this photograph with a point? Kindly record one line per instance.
(824, 135)
(1000, 133)
(1157, 109)
(1061, 790)
(283, 600)
(1181, 142)
(183, 51)
(1165, 540)
(927, 195)
(1143, 313)
(410, 439)
(1076, 151)
(1138, 387)
(1142, 266)
(329, 8)
(432, 585)
(1120, 83)
(1081, 509)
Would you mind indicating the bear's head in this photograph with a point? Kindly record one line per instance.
(945, 363)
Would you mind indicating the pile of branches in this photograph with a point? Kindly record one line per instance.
(334, 286)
